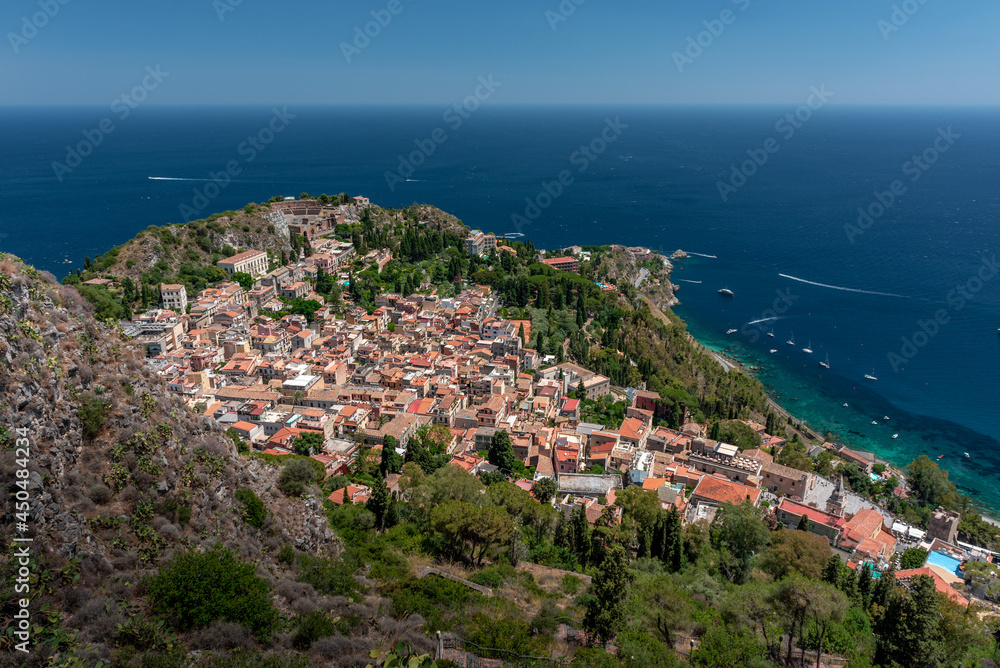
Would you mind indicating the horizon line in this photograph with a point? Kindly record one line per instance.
(361, 105)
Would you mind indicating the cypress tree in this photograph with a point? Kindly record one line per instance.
(884, 587)
(501, 453)
(674, 540)
(922, 622)
(658, 549)
(392, 515)
(579, 535)
(378, 503)
(391, 461)
(645, 542)
(831, 572)
(606, 610)
(865, 585)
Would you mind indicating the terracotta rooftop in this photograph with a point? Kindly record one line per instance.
(723, 491)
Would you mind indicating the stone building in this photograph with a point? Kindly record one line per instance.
(944, 526)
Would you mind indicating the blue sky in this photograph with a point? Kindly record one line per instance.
(262, 52)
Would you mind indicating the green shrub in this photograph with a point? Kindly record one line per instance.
(311, 627)
(912, 558)
(332, 577)
(506, 633)
(254, 510)
(198, 588)
(296, 476)
(571, 584)
(93, 412)
(105, 305)
(433, 597)
(493, 576)
(286, 554)
(100, 494)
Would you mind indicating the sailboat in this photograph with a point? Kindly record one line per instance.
(826, 364)
(791, 340)
(770, 333)
(871, 376)
(808, 348)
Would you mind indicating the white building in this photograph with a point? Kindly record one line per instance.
(174, 297)
(251, 262)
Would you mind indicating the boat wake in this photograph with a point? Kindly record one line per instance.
(838, 287)
(777, 317)
(714, 257)
(206, 179)
(684, 280)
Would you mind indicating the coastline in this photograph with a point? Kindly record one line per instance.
(988, 513)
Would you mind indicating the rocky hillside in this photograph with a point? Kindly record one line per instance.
(174, 252)
(164, 250)
(648, 276)
(120, 478)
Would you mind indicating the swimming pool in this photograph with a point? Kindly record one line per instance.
(942, 560)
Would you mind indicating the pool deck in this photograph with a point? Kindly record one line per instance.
(948, 577)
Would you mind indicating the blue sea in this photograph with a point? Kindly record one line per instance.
(914, 279)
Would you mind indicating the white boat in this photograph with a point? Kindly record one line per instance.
(845, 405)
(770, 333)
(730, 331)
(895, 435)
(808, 348)
(774, 350)
(825, 364)
(874, 422)
(885, 417)
(967, 454)
(871, 376)
(726, 292)
(791, 339)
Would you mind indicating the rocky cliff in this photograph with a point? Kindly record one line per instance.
(119, 476)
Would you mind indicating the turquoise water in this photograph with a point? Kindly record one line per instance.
(942, 560)
(817, 397)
